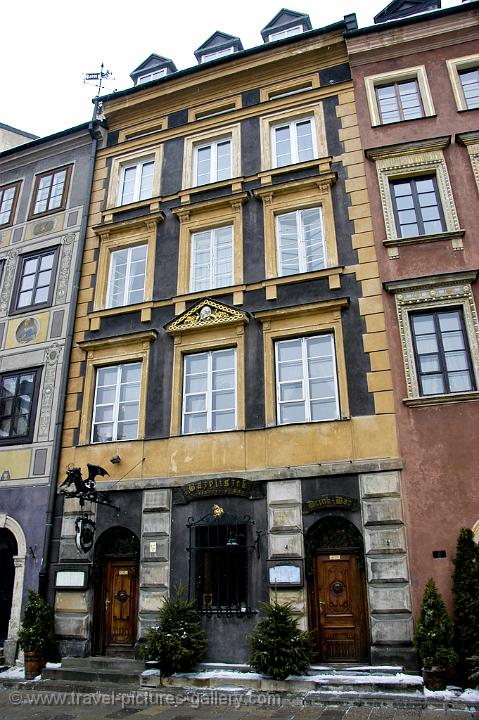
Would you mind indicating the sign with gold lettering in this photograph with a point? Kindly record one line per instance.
(330, 502)
(217, 486)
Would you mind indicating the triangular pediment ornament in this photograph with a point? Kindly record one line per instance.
(398, 9)
(204, 314)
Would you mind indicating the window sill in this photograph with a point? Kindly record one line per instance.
(455, 236)
(332, 273)
(401, 122)
(426, 400)
(235, 183)
(323, 165)
(152, 204)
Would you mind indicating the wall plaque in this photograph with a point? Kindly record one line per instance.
(285, 574)
(218, 486)
(330, 502)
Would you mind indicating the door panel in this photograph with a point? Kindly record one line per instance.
(340, 599)
(120, 605)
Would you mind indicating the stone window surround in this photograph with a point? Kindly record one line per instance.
(32, 215)
(301, 321)
(279, 90)
(122, 161)
(424, 157)
(471, 141)
(17, 185)
(437, 291)
(191, 142)
(453, 68)
(10, 644)
(413, 73)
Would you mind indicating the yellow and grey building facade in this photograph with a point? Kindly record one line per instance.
(230, 368)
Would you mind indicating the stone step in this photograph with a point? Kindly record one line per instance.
(313, 670)
(99, 663)
(93, 676)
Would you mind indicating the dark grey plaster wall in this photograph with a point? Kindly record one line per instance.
(253, 241)
(172, 169)
(250, 147)
(254, 375)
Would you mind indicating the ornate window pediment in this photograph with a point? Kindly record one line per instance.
(204, 314)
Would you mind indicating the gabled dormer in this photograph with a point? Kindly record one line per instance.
(403, 8)
(285, 24)
(153, 68)
(218, 45)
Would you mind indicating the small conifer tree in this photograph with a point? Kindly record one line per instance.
(278, 647)
(434, 631)
(465, 587)
(178, 642)
(37, 631)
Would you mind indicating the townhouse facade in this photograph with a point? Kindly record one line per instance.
(230, 366)
(416, 81)
(44, 186)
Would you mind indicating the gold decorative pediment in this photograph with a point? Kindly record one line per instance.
(203, 314)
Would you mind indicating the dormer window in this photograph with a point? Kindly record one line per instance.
(148, 77)
(288, 32)
(217, 54)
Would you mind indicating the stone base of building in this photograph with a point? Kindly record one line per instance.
(10, 651)
(404, 655)
(74, 648)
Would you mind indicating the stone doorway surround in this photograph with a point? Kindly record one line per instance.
(10, 644)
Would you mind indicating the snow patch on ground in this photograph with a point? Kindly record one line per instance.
(14, 673)
(153, 671)
(469, 695)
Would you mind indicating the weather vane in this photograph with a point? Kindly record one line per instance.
(97, 77)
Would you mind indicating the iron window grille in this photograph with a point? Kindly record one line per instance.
(219, 551)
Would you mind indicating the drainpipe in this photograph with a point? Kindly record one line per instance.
(43, 575)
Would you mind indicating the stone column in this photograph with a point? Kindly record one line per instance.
(388, 582)
(10, 644)
(285, 538)
(155, 556)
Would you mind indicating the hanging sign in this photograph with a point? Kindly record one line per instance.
(330, 502)
(84, 534)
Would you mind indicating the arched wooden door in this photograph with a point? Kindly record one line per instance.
(337, 593)
(116, 597)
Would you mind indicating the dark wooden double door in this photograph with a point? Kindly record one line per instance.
(116, 609)
(337, 607)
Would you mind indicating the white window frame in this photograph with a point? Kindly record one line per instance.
(217, 54)
(138, 165)
(454, 67)
(417, 73)
(306, 399)
(213, 281)
(149, 76)
(126, 290)
(213, 144)
(209, 391)
(299, 240)
(287, 32)
(292, 124)
(116, 404)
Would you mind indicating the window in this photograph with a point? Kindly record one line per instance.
(209, 391)
(399, 101)
(300, 241)
(211, 258)
(36, 280)
(417, 207)
(470, 87)
(18, 394)
(8, 202)
(398, 96)
(441, 351)
(288, 32)
(126, 282)
(117, 403)
(154, 75)
(50, 191)
(212, 161)
(136, 181)
(293, 142)
(217, 54)
(306, 383)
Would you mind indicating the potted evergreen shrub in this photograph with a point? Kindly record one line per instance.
(278, 647)
(36, 634)
(178, 642)
(465, 588)
(434, 639)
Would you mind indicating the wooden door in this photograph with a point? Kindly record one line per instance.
(340, 606)
(121, 587)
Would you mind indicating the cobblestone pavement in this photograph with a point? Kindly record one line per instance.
(49, 705)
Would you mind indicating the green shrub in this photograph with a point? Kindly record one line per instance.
(37, 631)
(278, 647)
(178, 642)
(434, 631)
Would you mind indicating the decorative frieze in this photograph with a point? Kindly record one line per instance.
(64, 267)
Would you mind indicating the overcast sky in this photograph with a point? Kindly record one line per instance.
(46, 47)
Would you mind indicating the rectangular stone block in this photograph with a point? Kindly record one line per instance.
(71, 601)
(379, 484)
(386, 630)
(384, 402)
(382, 511)
(154, 573)
(69, 551)
(156, 499)
(152, 600)
(72, 626)
(281, 518)
(379, 381)
(392, 598)
(284, 491)
(384, 541)
(145, 623)
(160, 552)
(285, 545)
(156, 523)
(389, 569)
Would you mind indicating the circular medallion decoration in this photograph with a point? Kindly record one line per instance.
(122, 596)
(27, 330)
(337, 587)
(205, 312)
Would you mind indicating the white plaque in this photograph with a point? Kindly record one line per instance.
(285, 575)
(153, 547)
(70, 578)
